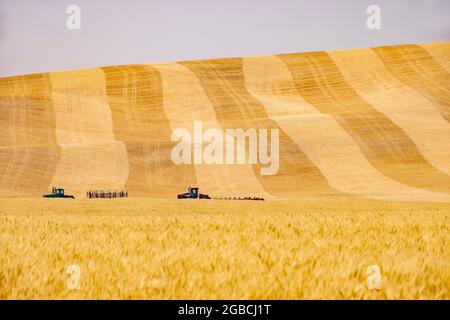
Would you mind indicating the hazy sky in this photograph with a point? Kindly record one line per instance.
(34, 36)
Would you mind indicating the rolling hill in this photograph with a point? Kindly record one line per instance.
(363, 123)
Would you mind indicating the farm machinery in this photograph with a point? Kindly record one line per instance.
(193, 194)
(58, 193)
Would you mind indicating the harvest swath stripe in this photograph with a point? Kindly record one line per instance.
(224, 84)
(416, 68)
(323, 140)
(27, 171)
(28, 150)
(412, 111)
(185, 101)
(440, 51)
(91, 157)
(136, 100)
(28, 117)
(82, 111)
(384, 144)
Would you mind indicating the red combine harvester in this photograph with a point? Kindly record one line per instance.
(193, 194)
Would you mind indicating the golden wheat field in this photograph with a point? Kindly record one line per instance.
(279, 249)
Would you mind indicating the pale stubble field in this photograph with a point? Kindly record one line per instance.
(216, 249)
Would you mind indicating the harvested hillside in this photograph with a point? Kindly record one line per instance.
(364, 123)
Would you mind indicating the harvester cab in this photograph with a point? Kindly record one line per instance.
(193, 192)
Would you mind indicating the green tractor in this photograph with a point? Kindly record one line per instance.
(58, 193)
